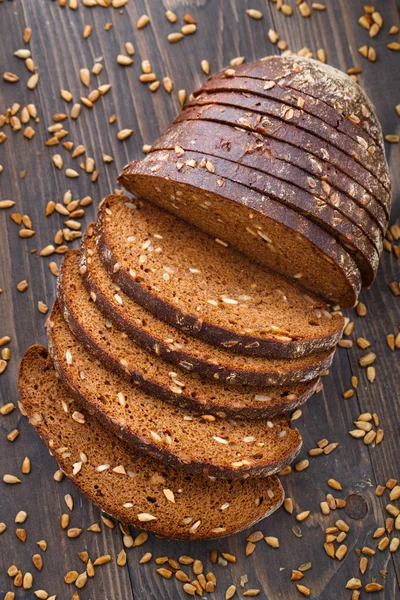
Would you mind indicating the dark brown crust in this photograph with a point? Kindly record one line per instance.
(338, 155)
(239, 194)
(205, 367)
(333, 92)
(297, 147)
(357, 145)
(279, 403)
(260, 158)
(210, 332)
(310, 104)
(161, 451)
(35, 357)
(215, 137)
(374, 168)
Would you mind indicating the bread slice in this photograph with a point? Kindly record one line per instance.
(187, 279)
(362, 161)
(250, 127)
(143, 368)
(135, 488)
(349, 235)
(181, 349)
(213, 446)
(264, 229)
(297, 147)
(329, 88)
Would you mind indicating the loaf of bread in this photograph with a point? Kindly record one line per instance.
(199, 312)
(277, 121)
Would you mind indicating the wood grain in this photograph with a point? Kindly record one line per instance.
(224, 31)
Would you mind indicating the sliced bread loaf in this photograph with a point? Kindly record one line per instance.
(280, 89)
(155, 375)
(134, 488)
(325, 84)
(261, 158)
(264, 229)
(347, 162)
(374, 167)
(200, 443)
(188, 352)
(297, 147)
(349, 235)
(212, 291)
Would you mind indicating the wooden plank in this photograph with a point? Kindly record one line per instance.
(224, 31)
(39, 495)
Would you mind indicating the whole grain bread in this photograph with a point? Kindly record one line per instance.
(143, 368)
(214, 446)
(181, 349)
(297, 147)
(260, 227)
(370, 158)
(280, 89)
(249, 124)
(135, 488)
(349, 235)
(324, 83)
(291, 119)
(201, 286)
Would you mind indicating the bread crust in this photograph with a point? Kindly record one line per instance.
(333, 91)
(360, 149)
(259, 149)
(297, 147)
(345, 159)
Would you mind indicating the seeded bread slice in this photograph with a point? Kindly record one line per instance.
(134, 488)
(216, 447)
(262, 228)
(257, 155)
(371, 158)
(349, 235)
(330, 88)
(280, 89)
(297, 147)
(184, 277)
(348, 162)
(155, 375)
(181, 349)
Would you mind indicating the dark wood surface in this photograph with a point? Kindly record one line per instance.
(224, 31)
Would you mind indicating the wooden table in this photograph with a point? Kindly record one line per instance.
(224, 31)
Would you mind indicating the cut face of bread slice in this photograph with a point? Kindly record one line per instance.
(214, 446)
(134, 488)
(297, 147)
(201, 286)
(346, 231)
(262, 228)
(145, 369)
(192, 354)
